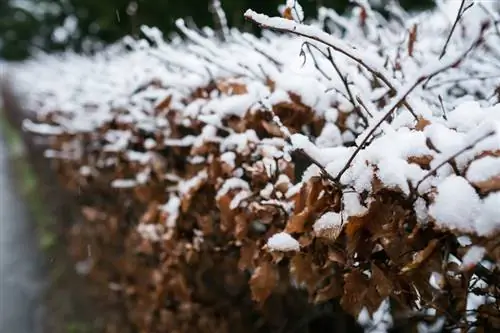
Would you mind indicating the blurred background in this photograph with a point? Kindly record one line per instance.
(28, 26)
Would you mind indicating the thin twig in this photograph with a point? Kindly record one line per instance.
(343, 78)
(462, 79)
(318, 35)
(405, 91)
(460, 13)
(316, 65)
(442, 107)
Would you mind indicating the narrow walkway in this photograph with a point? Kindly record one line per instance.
(21, 265)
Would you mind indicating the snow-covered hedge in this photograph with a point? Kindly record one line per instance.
(355, 158)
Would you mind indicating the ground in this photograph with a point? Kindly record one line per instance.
(21, 262)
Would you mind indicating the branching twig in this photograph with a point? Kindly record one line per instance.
(316, 65)
(350, 96)
(405, 91)
(280, 24)
(460, 13)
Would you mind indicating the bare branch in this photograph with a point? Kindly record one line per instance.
(284, 25)
(460, 13)
(406, 90)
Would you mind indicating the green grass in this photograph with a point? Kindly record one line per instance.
(77, 328)
(27, 183)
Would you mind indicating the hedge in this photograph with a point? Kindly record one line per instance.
(339, 175)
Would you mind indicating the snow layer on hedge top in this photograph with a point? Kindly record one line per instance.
(458, 109)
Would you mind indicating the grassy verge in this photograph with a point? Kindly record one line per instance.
(27, 182)
(64, 319)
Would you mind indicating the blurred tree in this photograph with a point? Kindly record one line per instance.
(28, 25)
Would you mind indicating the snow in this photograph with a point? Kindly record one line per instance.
(483, 169)
(441, 168)
(472, 257)
(232, 184)
(229, 158)
(282, 242)
(172, 210)
(457, 204)
(123, 183)
(149, 231)
(488, 221)
(330, 220)
(185, 187)
(436, 280)
(96, 89)
(380, 321)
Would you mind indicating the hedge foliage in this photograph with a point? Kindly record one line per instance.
(342, 176)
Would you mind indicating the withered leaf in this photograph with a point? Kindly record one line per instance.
(227, 214)
(330, 291)
(421, 123)
(232, 88)
(297, 222)
(412, 39)
(241, 226)
(316, 186)
(287, 13)
(355, 289)
(492, 184)
(382, 283)
(263, 281)
(164, 104)
(336, 256)
(420, 256)
(424, 161)
(303, 271)
(248, 251)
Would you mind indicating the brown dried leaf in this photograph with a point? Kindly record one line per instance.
(421, 256)
(91, 214)
(316, 186)
(297, 222)
(330, 291)
(151, 214)
(423, 161)
(303, 271)
(412, 39)
(164, 104)
(263, 281)
(355, 289)
(272, 128)
(336, 256)
(227, 214)
(382, 283)
(232, 88)
(248, 252)
(421, 123)
(492, 184)
(287, 13)
(241, 229)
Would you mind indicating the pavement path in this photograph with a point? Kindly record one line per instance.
(21, 262)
